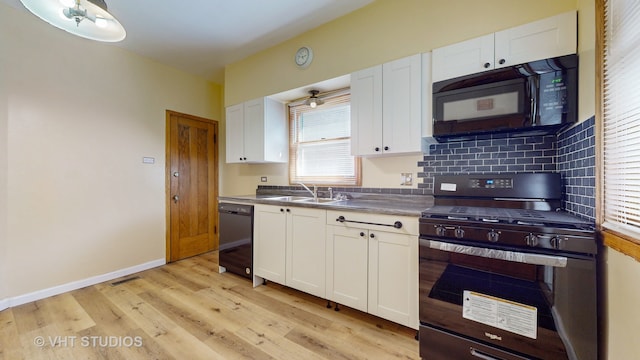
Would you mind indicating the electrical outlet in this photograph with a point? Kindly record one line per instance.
(263, 179)
(406, 179)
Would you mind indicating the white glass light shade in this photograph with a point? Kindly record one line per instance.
(98, 24)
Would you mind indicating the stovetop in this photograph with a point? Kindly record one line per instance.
(502, 215)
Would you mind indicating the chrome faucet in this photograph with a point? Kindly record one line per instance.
(314, 192)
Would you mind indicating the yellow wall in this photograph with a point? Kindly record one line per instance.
(75, 197)
(383, 31)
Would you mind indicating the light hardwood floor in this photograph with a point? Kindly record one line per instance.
(186, 310)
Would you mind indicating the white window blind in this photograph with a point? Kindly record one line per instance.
(320, 143)
(621, 117)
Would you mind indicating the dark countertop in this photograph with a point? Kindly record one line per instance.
(387, 204)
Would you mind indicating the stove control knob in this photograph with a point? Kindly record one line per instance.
(556, 242)
(459, 232)
(440, 230)
(531, 240)
(493, 235)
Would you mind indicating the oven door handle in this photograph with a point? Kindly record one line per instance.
(481, 355)
(513, 256)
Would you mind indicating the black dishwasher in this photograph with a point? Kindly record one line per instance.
(236, 239)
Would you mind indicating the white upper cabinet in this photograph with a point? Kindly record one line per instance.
(386, 108)
(546, 38)
(463, 58)
(257, 132)
(366, 111)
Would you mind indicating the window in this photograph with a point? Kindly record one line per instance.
(619, 112)
(320, 143)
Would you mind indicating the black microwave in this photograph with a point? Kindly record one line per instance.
(539, 96)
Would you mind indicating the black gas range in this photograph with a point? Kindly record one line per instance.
(504, 273)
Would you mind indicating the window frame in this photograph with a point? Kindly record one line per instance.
(329, 98)
(623, 243)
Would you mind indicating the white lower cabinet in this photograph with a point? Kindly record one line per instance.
(347, 266)
(393, 277)
(306, 229)
(269, 242)
(373, 266)
(363, 262)
(289, 246)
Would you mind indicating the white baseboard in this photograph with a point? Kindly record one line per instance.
(45, 293)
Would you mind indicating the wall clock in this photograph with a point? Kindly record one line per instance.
(303, 57)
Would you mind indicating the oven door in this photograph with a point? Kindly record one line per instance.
(494, 301)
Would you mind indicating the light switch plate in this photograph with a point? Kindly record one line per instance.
(263, 179)
(148, 160)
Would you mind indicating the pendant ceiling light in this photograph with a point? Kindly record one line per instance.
(86, 18)
(314, 101)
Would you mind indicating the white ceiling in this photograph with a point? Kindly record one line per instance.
(202, 36)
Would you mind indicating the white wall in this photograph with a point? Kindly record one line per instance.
(80, 116)
(3, 170)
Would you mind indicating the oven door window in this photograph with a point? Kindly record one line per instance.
(518, 299)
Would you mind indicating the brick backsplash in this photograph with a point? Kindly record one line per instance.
(485, 154)
(572, 153)
(576, 161)
(348, 189)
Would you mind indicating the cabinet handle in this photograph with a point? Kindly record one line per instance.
(372, 235)
(361, 233)
(288, 210)
(377, 149)
(502, 61)
(487, 65)
(386, 148)
(281, 210)
(397, 224)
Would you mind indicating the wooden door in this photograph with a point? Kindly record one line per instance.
(192, 185)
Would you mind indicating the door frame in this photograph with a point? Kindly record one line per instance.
(213, 187)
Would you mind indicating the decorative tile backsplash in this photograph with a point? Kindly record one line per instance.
(576, 161)
(572, 153)
(489, 155)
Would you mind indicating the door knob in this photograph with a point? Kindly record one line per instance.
(176, 198)
(176, 174)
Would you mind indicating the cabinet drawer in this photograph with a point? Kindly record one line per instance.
(373, 221)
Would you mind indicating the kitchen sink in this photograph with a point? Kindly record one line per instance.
(302, 199)
(288, 198)
(316, 201)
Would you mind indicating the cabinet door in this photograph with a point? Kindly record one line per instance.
(269, 243)
(305, 249)
(235, 133)
(463, 58)
(546, 38)
(393, 277)
(276, 135)
(347, 266)
(366, 111)
(254, 130)
(402, 105)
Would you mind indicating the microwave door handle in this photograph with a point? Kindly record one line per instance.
(513, 256)
(534, 90)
